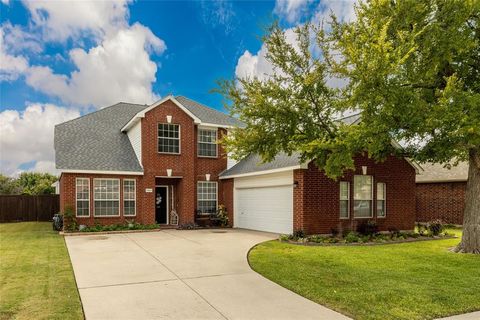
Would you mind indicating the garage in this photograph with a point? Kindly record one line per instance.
(264, 202)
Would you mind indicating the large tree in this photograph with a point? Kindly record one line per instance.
(412, 68)
(34, 183)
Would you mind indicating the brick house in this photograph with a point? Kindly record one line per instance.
(440, 193)
(162, 164)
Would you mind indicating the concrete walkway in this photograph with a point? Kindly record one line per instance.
(172, 274)
(466, 316)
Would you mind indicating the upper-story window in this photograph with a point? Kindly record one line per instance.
(207, 143)
(168, 138)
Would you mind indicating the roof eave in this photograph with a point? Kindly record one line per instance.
(263, 172)
(133, 173)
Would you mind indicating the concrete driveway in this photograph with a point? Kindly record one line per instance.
(173, 274)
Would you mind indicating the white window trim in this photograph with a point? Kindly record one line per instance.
(106, 216)
(216, 195)
(134, 197)
(384, 201)
(216, 142)
(348, 199)
(371, 199)
(76, 200)
(179, 139)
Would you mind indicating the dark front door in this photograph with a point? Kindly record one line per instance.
(161, 203)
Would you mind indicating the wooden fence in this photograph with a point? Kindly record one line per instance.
(28, 208)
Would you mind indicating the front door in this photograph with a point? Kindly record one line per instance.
(161, 205)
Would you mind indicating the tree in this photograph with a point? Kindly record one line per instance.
(412, 68)
(8, 185)
(34, 183)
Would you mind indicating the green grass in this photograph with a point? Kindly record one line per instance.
(36, 277)
(420, 280)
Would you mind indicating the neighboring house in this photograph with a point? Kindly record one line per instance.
(142, 162)
(440, 193)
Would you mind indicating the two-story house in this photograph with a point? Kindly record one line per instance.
(162, 163)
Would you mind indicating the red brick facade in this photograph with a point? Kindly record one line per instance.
(187, 170)
(317, 198)
(444, 201)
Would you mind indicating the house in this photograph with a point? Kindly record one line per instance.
(440, 193)
(162, 163)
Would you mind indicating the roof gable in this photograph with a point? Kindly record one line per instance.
(95, 142)
(200, 113)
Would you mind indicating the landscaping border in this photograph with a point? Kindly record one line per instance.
(340, 244)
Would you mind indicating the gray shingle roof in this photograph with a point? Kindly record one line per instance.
(435, 172)
(253, 163)
(207, 114)
(95, 142)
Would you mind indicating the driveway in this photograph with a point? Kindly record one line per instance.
(180, 274)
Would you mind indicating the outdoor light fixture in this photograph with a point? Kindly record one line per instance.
(169, 172)
(169, 119)
(295, 184)
(207, 176)
(364, 170)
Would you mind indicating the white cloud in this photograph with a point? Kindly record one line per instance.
(60, 20)
(18, 39)
(342, 9)
(27, 136)
(257, 65)
(11, 66)
(118, 69)
(218, 13)
(291, 10)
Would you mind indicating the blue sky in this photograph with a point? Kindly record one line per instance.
(60, 60)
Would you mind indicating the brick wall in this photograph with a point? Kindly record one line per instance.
(316, 198)
(445, 201)
(227, 190)
(186, 165)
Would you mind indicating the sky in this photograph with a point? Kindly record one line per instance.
(62, 59)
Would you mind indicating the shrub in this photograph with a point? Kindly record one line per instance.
(222, 214)
(69, 220)
(368, 228)
(297, 234)
(435, 227)
(352, 237)
(421, 229)
(317, 238)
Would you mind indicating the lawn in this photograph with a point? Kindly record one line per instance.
(36, 277)
(420, 280)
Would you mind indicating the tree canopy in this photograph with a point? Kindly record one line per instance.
(31, 183)
(411, 68)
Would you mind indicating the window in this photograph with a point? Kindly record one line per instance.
(381, 196)
(206, 197)
(82, 190)
(106, 197)
(344, 200)
(362, 196)
(207, 142)
(129, 197)
(168, 138)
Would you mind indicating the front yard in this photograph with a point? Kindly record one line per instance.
(36, 277)
(421, 280)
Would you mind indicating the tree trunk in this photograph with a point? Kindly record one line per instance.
(471, 216)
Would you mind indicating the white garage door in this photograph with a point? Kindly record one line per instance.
(265, 203)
